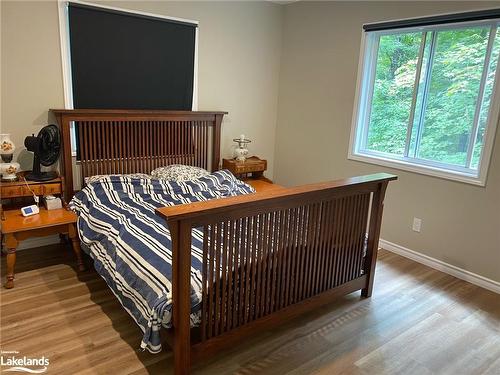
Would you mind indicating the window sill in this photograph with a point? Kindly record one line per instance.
(421, 169)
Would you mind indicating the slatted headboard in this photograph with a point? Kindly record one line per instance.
(136, 141)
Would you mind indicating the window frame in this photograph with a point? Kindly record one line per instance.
(362, 108)
(66, 55)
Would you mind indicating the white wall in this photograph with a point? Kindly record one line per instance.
(461, 223)
(239, 61)
(252, 55)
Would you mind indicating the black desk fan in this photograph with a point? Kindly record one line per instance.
(46, 147)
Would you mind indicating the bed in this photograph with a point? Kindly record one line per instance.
(234, 261)
(131, 246)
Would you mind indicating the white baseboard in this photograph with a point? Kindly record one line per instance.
(439, 265)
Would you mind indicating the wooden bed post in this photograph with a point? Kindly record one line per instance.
(66, 162)
(216, 144)
(181, 294)
(373, 237)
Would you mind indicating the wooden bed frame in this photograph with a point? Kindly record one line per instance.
(137, 141)
(267, 257)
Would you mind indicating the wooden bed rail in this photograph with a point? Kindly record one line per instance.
(270, 256)
(203, 211)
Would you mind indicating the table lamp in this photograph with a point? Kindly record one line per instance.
(8, 169)
(241, 152)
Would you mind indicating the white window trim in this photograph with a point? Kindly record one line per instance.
(66, 57)
(365, 61)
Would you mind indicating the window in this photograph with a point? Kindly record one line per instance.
(427, 98)
(119, 59)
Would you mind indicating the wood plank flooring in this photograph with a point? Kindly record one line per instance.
(419, 321)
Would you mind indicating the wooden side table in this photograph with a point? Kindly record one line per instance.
(263, 185)
(15, 227)
(252, 167)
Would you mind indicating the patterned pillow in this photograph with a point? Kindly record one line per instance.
(98, 177)
(179, 172)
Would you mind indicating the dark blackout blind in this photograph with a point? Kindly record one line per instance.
(479, 15)
(127, 61)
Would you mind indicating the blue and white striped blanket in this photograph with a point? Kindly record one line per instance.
(131, 245)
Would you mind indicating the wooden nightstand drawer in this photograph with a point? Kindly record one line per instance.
(51, 189)
(11, 191)
(37, 189)
(23, 191)
(249, 168)
(19, 189)
(251, 165)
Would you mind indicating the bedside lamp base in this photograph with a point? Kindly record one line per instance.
(9, 171)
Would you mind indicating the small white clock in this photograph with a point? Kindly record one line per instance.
(30, 210)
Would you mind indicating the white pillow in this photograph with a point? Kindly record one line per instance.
(179, 172)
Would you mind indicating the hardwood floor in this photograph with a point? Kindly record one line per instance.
(419, 321)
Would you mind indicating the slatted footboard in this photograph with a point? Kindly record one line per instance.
(268, 257)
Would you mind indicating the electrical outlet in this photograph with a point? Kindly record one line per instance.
(417, 224)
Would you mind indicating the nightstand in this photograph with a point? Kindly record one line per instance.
(251, 168)
(15, 227)
(18, 189)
